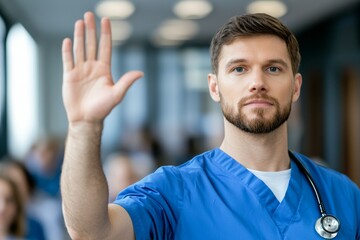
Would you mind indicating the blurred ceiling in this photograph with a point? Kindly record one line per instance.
(46, 19)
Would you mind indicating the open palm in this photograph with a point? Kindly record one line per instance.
(89, 92)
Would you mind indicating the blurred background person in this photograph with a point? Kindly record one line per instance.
(43, 162)
(120, 171)
(144, 148)
(25, 184)
(12, 218)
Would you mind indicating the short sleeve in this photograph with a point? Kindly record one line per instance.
(153, 204)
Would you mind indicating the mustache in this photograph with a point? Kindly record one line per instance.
(259, 96)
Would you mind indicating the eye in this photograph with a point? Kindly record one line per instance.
(273, 69)
(239, 69)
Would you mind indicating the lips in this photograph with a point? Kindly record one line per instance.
(258, 102)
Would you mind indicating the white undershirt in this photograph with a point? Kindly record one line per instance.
(278, 182)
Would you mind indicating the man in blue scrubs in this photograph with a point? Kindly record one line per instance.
(248, 188)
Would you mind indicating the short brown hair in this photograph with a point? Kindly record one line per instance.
(253, 24)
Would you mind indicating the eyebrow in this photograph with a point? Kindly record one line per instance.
(235, 61)
(270, 61)
(278, 61)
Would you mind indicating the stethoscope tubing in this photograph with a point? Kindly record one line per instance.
(311, 181)
(323, 228)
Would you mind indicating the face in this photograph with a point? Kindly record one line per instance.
(7, 205)
(255, 83)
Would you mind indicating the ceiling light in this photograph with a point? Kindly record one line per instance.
(177, 30)
(162, 42)
(114, 9)
(274, 8)
(121, 30)
(192, 9)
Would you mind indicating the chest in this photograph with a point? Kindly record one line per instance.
(230, 209)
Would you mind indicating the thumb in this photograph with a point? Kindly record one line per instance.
(123, 84)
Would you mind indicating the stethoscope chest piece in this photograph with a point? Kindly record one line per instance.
(327, 226)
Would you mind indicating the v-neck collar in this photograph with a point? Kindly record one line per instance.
(283, 213)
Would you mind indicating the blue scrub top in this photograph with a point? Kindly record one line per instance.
(212, 196)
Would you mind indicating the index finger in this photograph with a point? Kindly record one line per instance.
(67, 58)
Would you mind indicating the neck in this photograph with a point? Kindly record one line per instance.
(262, 152)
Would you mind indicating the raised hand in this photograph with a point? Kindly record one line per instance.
(89, 92)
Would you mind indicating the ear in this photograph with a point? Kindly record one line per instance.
(297, 87)
(213, 87)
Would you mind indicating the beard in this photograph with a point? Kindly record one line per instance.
(260, 124)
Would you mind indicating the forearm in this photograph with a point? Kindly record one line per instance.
(83, 184)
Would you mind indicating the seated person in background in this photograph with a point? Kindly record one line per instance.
(12, 218)
(44, 164)
(120, 172)
(17, 172)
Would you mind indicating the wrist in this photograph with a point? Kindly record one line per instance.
(85, 129)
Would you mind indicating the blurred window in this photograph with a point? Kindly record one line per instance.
(203, 118)
(22, 91)
(130, 116)
(185, 107)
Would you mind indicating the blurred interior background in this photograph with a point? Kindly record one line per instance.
(169, 114)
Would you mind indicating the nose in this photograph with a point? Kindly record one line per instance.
(257, 82)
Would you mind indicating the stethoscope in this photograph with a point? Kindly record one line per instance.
(327, 226)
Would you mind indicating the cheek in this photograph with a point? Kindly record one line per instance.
(285, 93)
(11, 209)
(230, 94)
(12, 215)
(8, 213)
